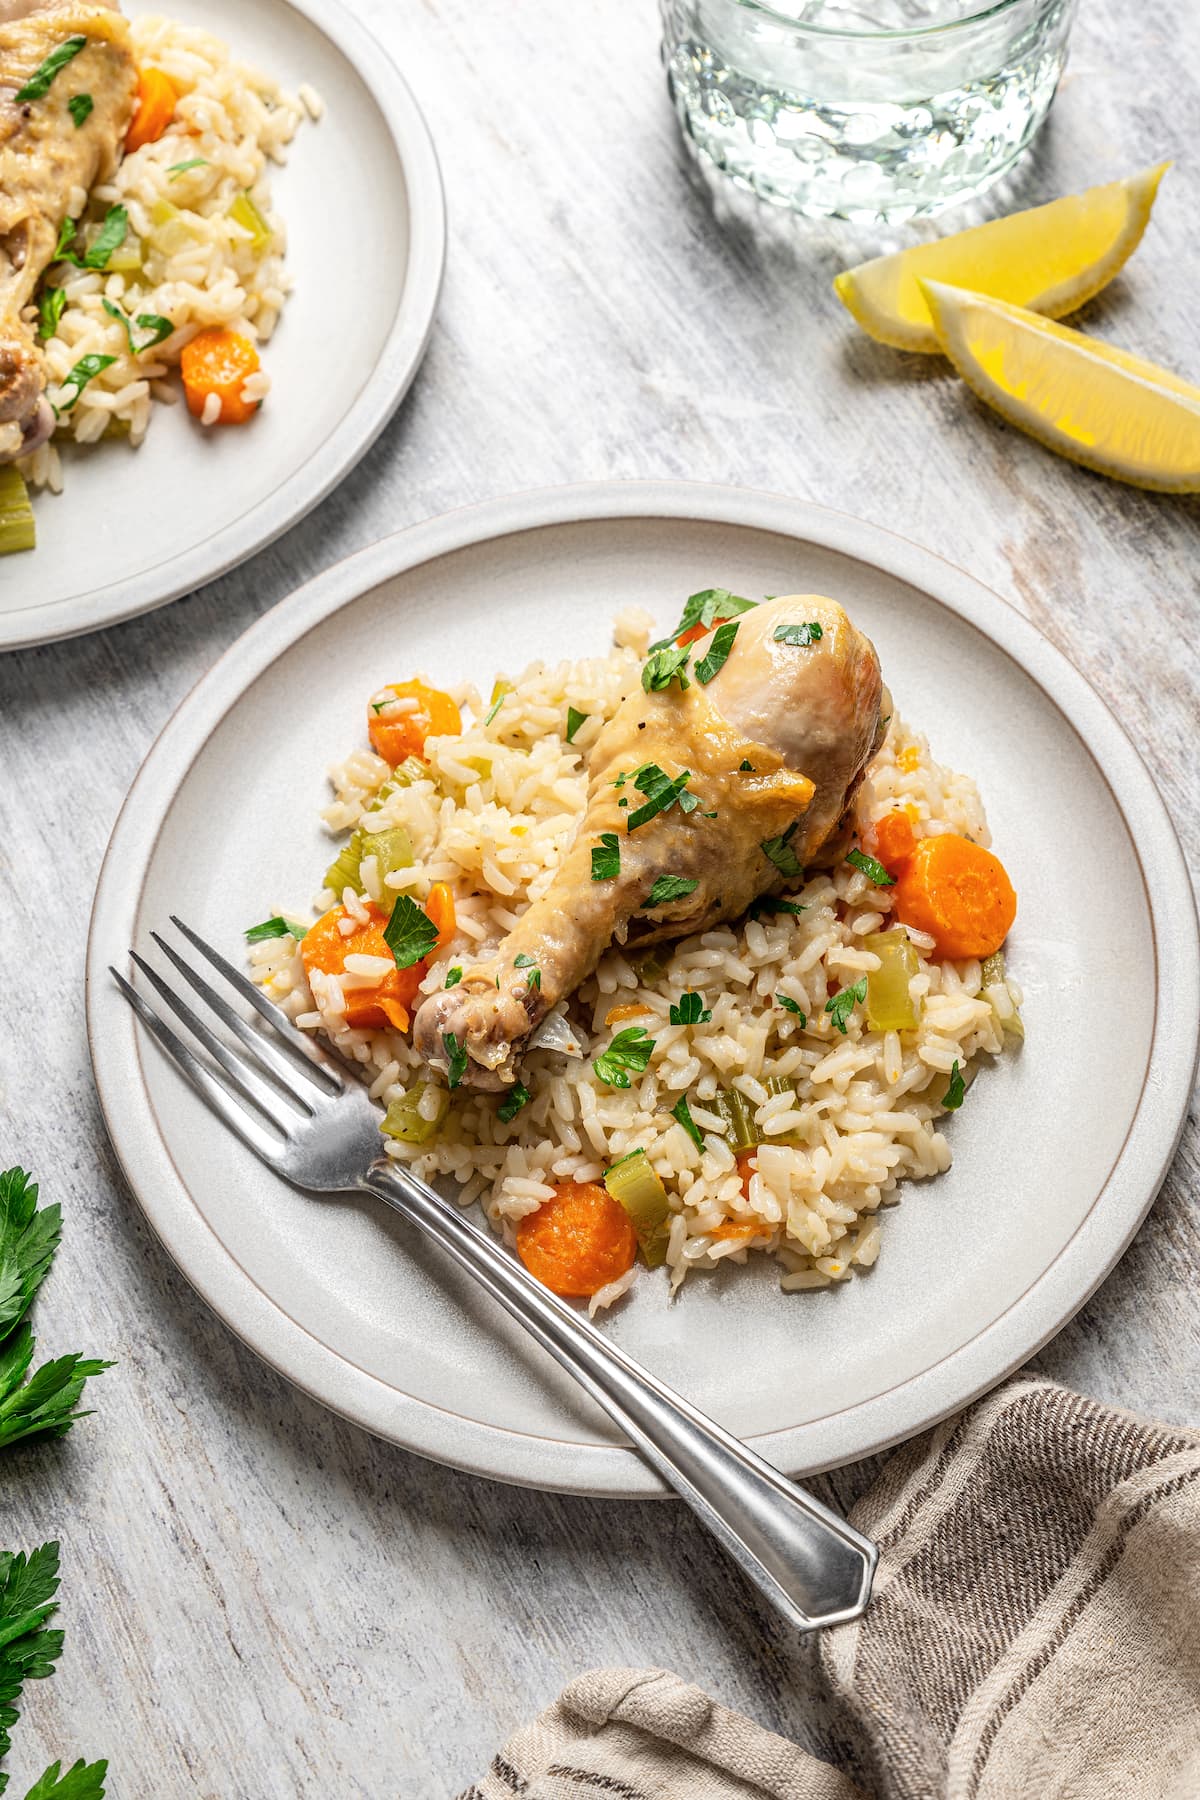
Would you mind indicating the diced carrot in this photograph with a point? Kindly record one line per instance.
(959, 893)
(747, 1165)
(694, 633)
(908, 758)
(894, 839)
(633, 1011)
(153, 109)
(739, 1231)
(219, 362)
(440, 908)
(397, 735)
(388, 1000)
(579, 1241)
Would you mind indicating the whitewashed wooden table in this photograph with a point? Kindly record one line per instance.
(261, 1601)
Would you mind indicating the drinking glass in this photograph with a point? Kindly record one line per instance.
(863, 109)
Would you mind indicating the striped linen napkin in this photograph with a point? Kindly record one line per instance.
(1034, 1635)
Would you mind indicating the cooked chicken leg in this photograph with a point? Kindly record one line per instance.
(764, 762)
(44, 156)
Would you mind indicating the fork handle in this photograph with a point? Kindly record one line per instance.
(811, 1565)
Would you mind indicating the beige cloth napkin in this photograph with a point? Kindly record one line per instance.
(1034, 1635)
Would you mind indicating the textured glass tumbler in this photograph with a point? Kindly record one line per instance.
(863, 109)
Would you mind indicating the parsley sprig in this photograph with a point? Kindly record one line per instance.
(717, 654)
(606, 857)
(682, 1112)
(663, 666)
(630, 1050)
(842, 1004)
(661, 791)
(668, 888)
(29, 1652)
(410, 934)
(799, 636)
(956, 1090)
(158, 327)
(574, 720)
(779, 851)
(871, 868)
(517, 1097)
(705, 609)
(39, 82)
(690, 1010)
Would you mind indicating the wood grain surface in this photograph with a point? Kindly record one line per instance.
(261, 1601)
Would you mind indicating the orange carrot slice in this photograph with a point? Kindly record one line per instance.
(397, 735)
(153, 108)
(579, 1241)
(386, 1001)
(220, 362)
(959, 893)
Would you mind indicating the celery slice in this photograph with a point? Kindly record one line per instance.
(737, 1116)
(403, 1119)
(245, 213)
(779, 1084)
(890, 1006)
(126, 259)
(636, 1187)
(1008, 1017)
(17, 528)
(392, 850)
(343, 871)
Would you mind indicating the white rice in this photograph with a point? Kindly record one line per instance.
(198, 266)
(499, 806)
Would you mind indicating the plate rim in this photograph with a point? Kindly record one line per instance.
(501, 1453)
(371, 410)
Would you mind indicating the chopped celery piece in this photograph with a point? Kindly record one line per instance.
(636, 1187)
(737, 1115)
(890, 1006)
(650, 969)
(392, 850)
(126, 259)
(993, 969)
(403, 1119)
(162, 212)
(343, 871)
(998, 994)
(17, 529)
(779, 1084)
(245, 213)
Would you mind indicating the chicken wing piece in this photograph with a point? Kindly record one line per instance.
(52, 54)
(729, 788)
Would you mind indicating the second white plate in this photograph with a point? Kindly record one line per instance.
(361, 197)
(1057, 1153)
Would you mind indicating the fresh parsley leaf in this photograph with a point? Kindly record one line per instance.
(494, 708)
(574, 721)
(629, 1050)
(275, 928)
(682, 1112)
(39, 82)
(112, 236)
(843, 1004)
(66, 237)
(661, 792)
(47, 1401)
(688, 802)
(410, 934)
(28, 1239)
(773, 903)
(528, 962)
(662, 667)
(377, 706)
(28, 1652)
(799, 636)
(789, 1005)
(50, 311)
(158, 327)
(745, 768)
(193, 162)
(82, 1781)
(456, 1056)
(80, 108)
(956, 1090)
(779, 851)
(667, 888)
(716, 655)
(514, 1100)
(453, 977)
(874, 870)
(85, 369)
(691, 1010)
(706, 608)
(606, 858)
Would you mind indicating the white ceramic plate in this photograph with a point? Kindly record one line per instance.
(1058, 1151)
(361, 196)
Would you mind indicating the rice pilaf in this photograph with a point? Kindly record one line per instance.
(841, 1117)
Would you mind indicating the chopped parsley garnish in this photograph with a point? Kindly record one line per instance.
(661, 792)
(85, 369)
(682, 1112)
(779, 851)
(50, 311)
(688, 802)
(66, 237)
(275, 928)
(718, 651)
(410, 934)
(956, 1090)
(843, 1004)
(667, 888)
(706, 608)
(112, 236)
(80, 108)
(158, 327)
(527, 962)
(193, 162)
(631, 1049)
(606, 858)
(874, 870)
(799, 636)
(510, 1106)
(662, 667)
(574, 721)
(453, 977)
(494, 708)
(789, 1005)
(691, 1010)
(39, 82)
(456, 1056)
(745, 768)
(377, 706)
(772, 903)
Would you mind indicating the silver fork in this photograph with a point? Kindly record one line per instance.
(306, 1115)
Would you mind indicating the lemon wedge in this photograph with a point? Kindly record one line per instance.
(1103, 408)
(1050, 258)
